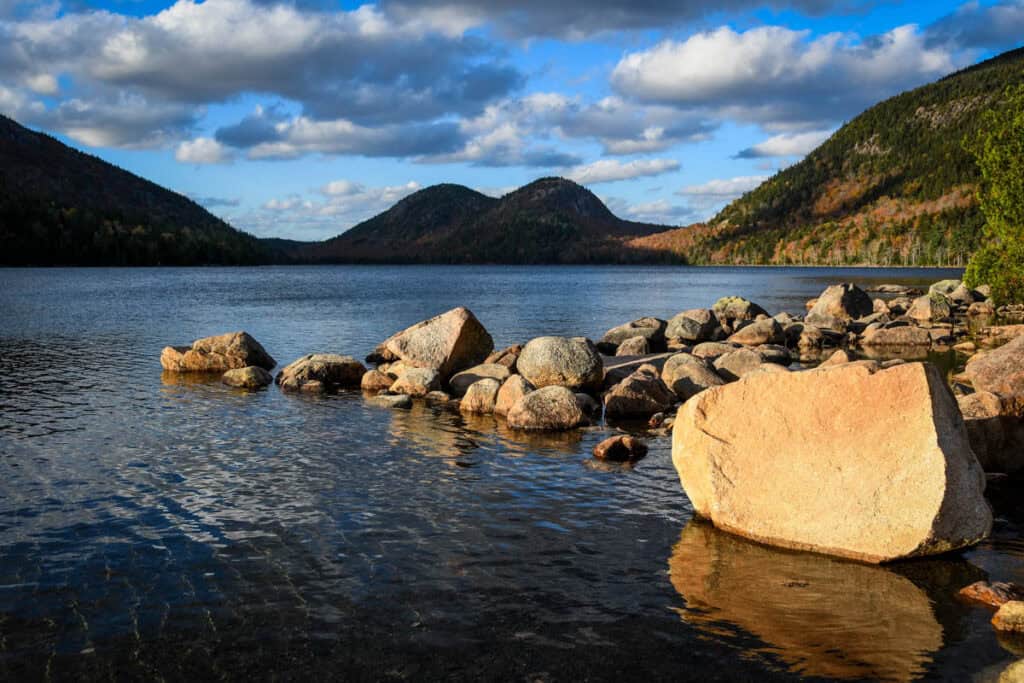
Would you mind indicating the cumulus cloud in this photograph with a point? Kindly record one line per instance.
(716, 193)
(973, 25)
(610, 170)
(661, 211)
(121, 120)
(786, 145)
(779, 77)
(303, 135)
(202, 151)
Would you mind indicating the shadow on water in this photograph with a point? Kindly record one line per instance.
(818, 615)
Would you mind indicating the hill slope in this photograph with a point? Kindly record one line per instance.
(551, 220)
(894, 186)
(59, 206)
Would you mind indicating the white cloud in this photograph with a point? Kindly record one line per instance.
(714, 194)
(787, 145)
(610, 170)
(660, 211)
(202, 151)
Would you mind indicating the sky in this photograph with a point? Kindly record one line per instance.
(301, 118)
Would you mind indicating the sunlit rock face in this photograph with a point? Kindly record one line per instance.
(819, 615)
(852, 461)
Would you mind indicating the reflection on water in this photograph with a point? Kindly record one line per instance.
(821, 616)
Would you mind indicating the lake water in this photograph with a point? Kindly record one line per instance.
(160, 528)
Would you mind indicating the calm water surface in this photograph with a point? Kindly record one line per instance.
(153, 528)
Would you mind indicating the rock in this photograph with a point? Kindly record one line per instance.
(808, 337)
(839, 304)
(966, 347)
(995, 427)
(688, 375)
(561, 361)
(738, 363)
(634, 346)
(1010, 617)
(981, 309)
(945, 287)
(930, 307)
(897, 337)
(551, 408)
(994, 594)
(823, 460)
(767, 331)
(417, 382)
(446, 343)
(401, 401)
(620, 449)
(963, 295)
(771, 353)
(588, 404)
(879, 306)
(506, 356)
(656, 420)
(996, 335)
(840, 357)
(984, 291)
(437, 397)
(769, 367)
(375, 381)
(1000, 371)
(900, 305)
(321, 373)
(784, 319)
(713, 350)
(461, 381)
(251, 377)
(224, 352)
(1014, 673)
(481, 396)
(512, 389)
(638, 396)
(731, 309)
(895, 289)
(651, 329)
(694, 326)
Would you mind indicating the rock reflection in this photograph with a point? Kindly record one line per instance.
(821, 616)
(188, 379)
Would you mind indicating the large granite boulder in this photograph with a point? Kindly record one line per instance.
(640, 395)
(651, 329)
(217, 354)
(480, 397)
(694, 326)
(512, 389)
(995, 427)
(552, 408)
(838, 305)
(461, 381)
(1000, 371)
(251, 377)
(764, 331)
(688, 375)
(447, 343)
(874, 466)
(570, 362)
(321, 373)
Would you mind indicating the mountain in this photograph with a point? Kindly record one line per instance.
(894, 186)
(59, 206)
(551, 220)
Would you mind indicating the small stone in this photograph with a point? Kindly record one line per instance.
(391, 401)
(638, 396)
(512, 389)
(217, 354)
(375, 381)
(620, 449)
(994, 594)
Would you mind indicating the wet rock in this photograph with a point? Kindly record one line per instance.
(1000, 371)
(620, 449)
(638, 396)
(688, 375)
(930, 307)
(321, 373)
(438, 397)
(767, 331)
(634, 346)
(461, 381)
(251, 377)
(512, 389)
(506, 356)
(651, 329)
(446, 343)
(224, 352)
(995, 426)
(399, 401)
(551, 408)
(694, 326)
(736, 364)
(417, 382)
(375, 381)
(1010, 617)
(481, 397)
(994, 594)
(561, 361)
(838, 446)
(838, 305)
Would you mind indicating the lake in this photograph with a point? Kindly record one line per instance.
(159, 527)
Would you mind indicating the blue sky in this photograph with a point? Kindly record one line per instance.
(301, 118)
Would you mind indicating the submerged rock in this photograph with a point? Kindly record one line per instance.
(321, 373)
(822, 460)
(573, 363)
(446, 343)
(620, 448)
(251, 377)
(224, 352)
(551, 408)
(401, 401)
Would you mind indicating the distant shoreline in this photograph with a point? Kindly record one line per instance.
(494, 265)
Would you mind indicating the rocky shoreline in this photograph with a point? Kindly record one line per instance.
(817, 430)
